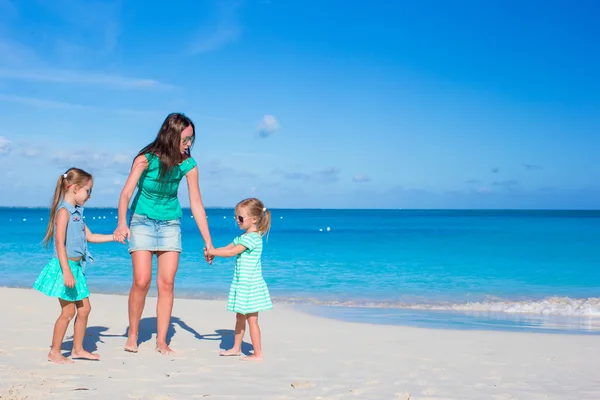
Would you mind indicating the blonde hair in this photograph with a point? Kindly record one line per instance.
(73, 176)
(256, 209)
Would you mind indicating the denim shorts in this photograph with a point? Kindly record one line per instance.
(154, 235)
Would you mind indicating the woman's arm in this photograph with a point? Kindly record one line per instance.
(197, 206)
(62, 219)
(227, 251)
(139, 166)
(97, 237)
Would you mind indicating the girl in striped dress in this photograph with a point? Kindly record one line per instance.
(249, 293)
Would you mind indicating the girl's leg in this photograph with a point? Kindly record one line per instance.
(60, 329)
(255, 337)
(142, 274)
(240, 329)
(168, 262)
(83, 312)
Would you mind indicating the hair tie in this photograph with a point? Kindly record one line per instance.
(264, 209)
(65, 176)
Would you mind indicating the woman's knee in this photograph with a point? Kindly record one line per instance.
(165, 284)
(141, 284)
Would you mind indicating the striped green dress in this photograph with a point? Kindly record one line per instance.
(249, 292)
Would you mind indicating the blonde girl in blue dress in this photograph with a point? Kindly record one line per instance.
(64, 276)
(248, 293)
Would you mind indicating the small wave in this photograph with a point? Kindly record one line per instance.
(561, 306)
(564, 306)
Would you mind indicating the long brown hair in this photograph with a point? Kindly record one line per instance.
(73, 176)
(256, 209)
(167, 142)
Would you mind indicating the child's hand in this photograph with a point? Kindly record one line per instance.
(208, 256)
(69, 279)
(119, 237)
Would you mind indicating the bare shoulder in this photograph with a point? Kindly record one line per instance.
(62, 214)
(140, 162)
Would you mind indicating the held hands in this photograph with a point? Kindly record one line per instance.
(208, 256)
(69, 279)
(121, 233)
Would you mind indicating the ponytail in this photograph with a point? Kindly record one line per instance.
(59, 192)
(264, 223)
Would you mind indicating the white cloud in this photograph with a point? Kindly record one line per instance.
(268, 126)
(121, 158)
(5, 146)
(32, 101)
(92, 161)
(359, 178)
(82, 78)
(30, 152)
(43, 103)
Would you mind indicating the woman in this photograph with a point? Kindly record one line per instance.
(154, 226)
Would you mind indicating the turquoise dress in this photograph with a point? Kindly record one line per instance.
(249, 292)
(50, 281)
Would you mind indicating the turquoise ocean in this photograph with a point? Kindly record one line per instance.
(459, 269)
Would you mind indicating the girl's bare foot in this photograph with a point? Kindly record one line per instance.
(85, 355)
(230, 352)
(164, 349)
(131, 345)
(58, 358)
(252, 358)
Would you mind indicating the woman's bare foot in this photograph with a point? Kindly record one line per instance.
(58, 358)
(131, 345)
(230, 352)
(85, 355)
(252, 358)
(163, 349)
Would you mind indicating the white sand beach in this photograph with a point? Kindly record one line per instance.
(306, 357)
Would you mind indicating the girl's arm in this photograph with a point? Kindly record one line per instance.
(197, 206)
(62, 219)
(97, 237)
(228, 251)
(139, 166)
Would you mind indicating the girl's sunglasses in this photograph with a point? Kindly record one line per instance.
(240, 219)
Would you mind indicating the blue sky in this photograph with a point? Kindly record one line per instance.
(404, 104)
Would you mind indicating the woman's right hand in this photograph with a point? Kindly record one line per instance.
(69, 279)
(122, 233)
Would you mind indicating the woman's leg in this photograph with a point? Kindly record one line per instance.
(142, 275)
(240, 329)
(168, 262)
(83, 311)
(60, 329)
(255, 337)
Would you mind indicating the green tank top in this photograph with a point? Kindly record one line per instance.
(157, 199)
